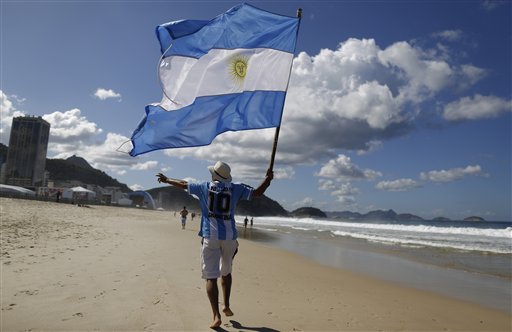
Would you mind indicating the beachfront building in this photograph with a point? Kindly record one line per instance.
(26, 156)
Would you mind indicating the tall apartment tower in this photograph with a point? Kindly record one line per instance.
(26, 157)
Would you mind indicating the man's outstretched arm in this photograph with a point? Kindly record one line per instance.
(173, 182)
(264, 185)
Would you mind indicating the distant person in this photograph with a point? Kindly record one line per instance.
(252, 220)
(192, 215)
(218, 200)
(183, 214)
(245, 222)
(57, 196)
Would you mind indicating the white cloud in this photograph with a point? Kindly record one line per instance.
(343, 168)
(103, 155)
(69, 126)
(324, 184)
(136, 187)
(350, 98)
(345, 189)
(449, 35)
(100, 153)
(191, 180)
(453, 174)
(307, 201)
(371, 146)
(472, 73)
(490, 5)
(145, 165)
(104, 94)
(477, 107)
(7, 112)
(284, 173)
(398, 185)
(424, 76)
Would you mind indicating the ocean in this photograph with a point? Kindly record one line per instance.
(484, 236)
(461, 259)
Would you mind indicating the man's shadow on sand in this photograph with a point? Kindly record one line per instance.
(240, 327)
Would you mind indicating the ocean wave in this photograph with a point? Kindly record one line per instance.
(457, 235)
(468, 246)
(316, 224)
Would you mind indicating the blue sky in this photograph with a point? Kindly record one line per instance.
(392, 104)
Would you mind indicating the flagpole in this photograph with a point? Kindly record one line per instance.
(278, 128)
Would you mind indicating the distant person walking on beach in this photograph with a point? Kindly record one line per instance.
(252, 221)
(183, 214)
(218, 200)
(245, 222)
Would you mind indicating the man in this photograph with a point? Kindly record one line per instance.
(218, 200)
(183, 214)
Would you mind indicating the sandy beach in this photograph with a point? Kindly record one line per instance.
(65, 267)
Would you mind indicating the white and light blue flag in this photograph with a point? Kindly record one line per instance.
(227, 74)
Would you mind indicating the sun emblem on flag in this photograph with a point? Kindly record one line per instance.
(238, 68)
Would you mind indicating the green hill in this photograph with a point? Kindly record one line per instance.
(308, 212)
(78, 169)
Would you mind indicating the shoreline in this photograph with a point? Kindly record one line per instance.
(106, 268)
(440, 272)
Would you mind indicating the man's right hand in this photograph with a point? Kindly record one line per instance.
(161, 178)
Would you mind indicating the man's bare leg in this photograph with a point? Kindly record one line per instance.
(226, 292)
(213, 295)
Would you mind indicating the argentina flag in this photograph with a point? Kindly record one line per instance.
(227, 74)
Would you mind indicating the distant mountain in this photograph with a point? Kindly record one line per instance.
(347, 215)
(79, 161)
(78, 169)
(172, 198)
(408, 217)
(441, 219)
(388, 215)
(261, 206)
(474, 218)
(381, 215)
(308, 212)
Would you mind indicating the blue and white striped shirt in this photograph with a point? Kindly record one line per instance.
(218, 203)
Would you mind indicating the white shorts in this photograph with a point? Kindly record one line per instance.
(217, 257)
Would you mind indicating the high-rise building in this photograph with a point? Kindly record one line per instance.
(26, 157)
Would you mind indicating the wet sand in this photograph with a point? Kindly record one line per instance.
(65, 267)
(486, 280)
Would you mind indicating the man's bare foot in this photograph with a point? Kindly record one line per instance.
(227, 312)
(216, 322)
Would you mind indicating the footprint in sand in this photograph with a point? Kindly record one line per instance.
(11, 306)
(27, 292)
(78, 314)
(100, 294)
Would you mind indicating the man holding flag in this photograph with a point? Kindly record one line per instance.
(227, 74)
(219, 245)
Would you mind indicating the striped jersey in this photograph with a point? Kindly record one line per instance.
(218, 203)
